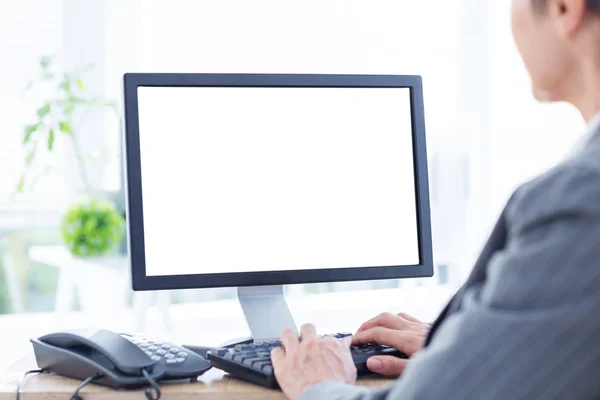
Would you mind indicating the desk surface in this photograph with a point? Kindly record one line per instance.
(214, 384)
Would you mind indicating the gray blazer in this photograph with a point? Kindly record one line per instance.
(526, 324)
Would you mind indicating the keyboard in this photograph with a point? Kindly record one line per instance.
(252, 361)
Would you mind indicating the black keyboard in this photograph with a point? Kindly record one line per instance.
(252, 361)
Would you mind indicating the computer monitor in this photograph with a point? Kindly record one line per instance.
(256, 181)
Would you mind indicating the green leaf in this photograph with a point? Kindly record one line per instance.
(65, 126)
(75, 100)
(80, 83)
(43, 111)
(21, 184)
(51, 139)
(45, 61)
(65, 85)
(29, 129)
(69, 109)
(30, 157)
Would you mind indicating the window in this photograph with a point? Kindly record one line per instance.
(28, 30)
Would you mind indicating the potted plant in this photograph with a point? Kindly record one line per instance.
(92, 225)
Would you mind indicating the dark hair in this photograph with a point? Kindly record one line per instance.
(591, 5)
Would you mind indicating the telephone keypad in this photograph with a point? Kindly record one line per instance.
(178, 362)
(158, 351)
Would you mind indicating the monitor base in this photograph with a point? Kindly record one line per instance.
(266, 311)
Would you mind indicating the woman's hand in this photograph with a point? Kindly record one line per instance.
(299, 365)
(401, 332)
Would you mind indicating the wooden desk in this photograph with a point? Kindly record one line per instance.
(214, 384)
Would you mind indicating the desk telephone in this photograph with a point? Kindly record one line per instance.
(115, 360)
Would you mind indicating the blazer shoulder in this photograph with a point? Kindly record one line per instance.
(573, 186)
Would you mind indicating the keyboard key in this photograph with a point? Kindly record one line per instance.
(172, 361)
(257, 346)
(166, 346)
(250, 361)
(169, 356)
(267, 369)
(152, 348)
(174, 350)
(222, 351)
(161, 352)
(239, 358)
(242, 347)
(261, 364)
(182, 354)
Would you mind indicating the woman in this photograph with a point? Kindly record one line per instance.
(526, 324)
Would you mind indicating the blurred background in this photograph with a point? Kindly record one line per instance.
(63, 259)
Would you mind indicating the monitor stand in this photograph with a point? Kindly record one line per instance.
(266, 312)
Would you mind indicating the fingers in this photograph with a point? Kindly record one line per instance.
(277, 357)
(408, 317)
(406, 342)
(347, 341)
(308, 332)
(386, 365)
(387, 320)
(289, 341)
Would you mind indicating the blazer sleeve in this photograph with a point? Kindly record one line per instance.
(532, 329)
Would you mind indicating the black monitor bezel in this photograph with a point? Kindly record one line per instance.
(134, 202)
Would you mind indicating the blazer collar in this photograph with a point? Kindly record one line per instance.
(591, 134)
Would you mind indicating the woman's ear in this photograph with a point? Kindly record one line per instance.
(568, 16)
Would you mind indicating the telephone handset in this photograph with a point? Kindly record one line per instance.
(112, 359)
(115, 360)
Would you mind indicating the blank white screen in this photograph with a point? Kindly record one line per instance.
(269, 179)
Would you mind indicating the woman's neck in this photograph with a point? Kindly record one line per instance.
(585, 89)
